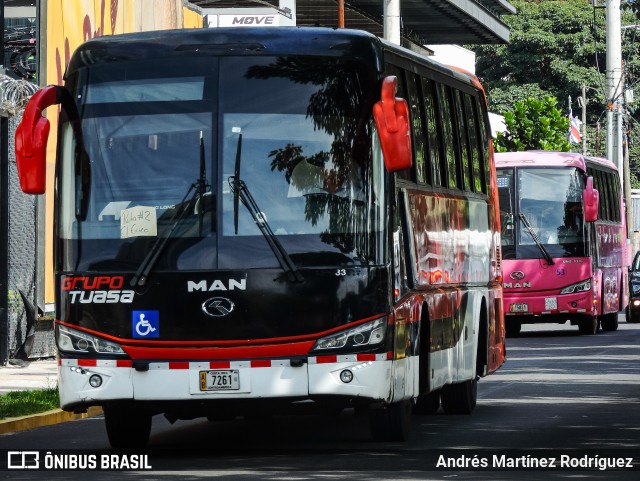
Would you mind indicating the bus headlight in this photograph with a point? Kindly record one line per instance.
(368, 334)
(578, 287)
(70, 340)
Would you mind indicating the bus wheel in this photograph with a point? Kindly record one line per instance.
(127, 427)
(609, 322)
(427, 403)
(588, 326)
(392, 422)
(513, 328)
(460, 398)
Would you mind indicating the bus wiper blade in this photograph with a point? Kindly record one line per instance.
(536, 239)
(236, 176)
(141, 275)
(203, 186)
(242, 191)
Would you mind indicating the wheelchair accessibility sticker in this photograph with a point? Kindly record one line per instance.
(145, 324)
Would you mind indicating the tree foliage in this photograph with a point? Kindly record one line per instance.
(556, 47)
(534, 124)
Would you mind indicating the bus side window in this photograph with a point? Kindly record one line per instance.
(449, 142)
(484, 144)
(417, 130)
(476, 150)
(436, 158)
(463, 135)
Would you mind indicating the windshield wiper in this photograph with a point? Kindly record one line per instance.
(202, 185)
(199, 187)
(241, 193)
(536, 239)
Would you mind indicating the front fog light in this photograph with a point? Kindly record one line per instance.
(95, 380)
(346, 376)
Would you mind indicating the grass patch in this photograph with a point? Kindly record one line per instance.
(22, 403)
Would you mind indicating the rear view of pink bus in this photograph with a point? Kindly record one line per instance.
(564, 241)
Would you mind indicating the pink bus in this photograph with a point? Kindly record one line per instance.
(564, 241)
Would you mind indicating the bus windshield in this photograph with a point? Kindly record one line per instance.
(544, 205)
(296, 130)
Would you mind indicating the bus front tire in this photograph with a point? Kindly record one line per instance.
(609, 322)
(127, 427)
(512, 328)
(428, 403)
(391, 422)
(588, 326)
(460, 398)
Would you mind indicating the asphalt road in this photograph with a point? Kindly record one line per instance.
(559, 393)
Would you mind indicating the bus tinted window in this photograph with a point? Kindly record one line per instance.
(474, 144)
(603, 206)
(435, 155)
(616, 195)
(418, 137)
(446, 120)
(465, 155)
(484, 136)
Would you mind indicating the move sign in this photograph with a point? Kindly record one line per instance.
(258, 20)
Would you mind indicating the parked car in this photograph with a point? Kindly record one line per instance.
(633, 310)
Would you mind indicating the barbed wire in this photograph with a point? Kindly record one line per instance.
(14, 94)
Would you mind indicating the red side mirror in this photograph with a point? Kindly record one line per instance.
(391, 115)
(31, 141)
(591, 200)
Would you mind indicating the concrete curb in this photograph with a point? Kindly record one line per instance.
(47, 418)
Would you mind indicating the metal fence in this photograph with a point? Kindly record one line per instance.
(30, 336)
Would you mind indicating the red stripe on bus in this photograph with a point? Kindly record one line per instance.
(261, 363)
(87, 362)
(124, 363)
(366, 357)
(219, 365)
(219, 353)
(325, 359)
(178, 365)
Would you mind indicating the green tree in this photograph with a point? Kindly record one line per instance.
(534, 125)
(556, 47)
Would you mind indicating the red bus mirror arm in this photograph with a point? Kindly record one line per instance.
(31, 141)
(591, 200)
(391, 115)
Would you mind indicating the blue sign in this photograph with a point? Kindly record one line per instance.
(145, 324)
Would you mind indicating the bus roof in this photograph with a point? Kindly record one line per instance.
(546, 158)
(347, 43)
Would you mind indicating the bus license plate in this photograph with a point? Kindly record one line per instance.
(226, 380)
(519, 307)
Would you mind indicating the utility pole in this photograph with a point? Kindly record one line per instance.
(582, 102)
(615, 111)
(391, 21)
(614, 85)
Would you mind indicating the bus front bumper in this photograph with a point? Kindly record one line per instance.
(83, 382)
(569, 305)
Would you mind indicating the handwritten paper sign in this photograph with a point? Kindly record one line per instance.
(138, 221)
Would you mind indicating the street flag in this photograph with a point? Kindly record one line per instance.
(574, 129)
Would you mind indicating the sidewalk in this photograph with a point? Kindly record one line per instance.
(37, 375)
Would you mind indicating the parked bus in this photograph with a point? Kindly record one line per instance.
(564, 241)
(256, 219)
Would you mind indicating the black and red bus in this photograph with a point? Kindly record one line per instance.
(251, 219)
